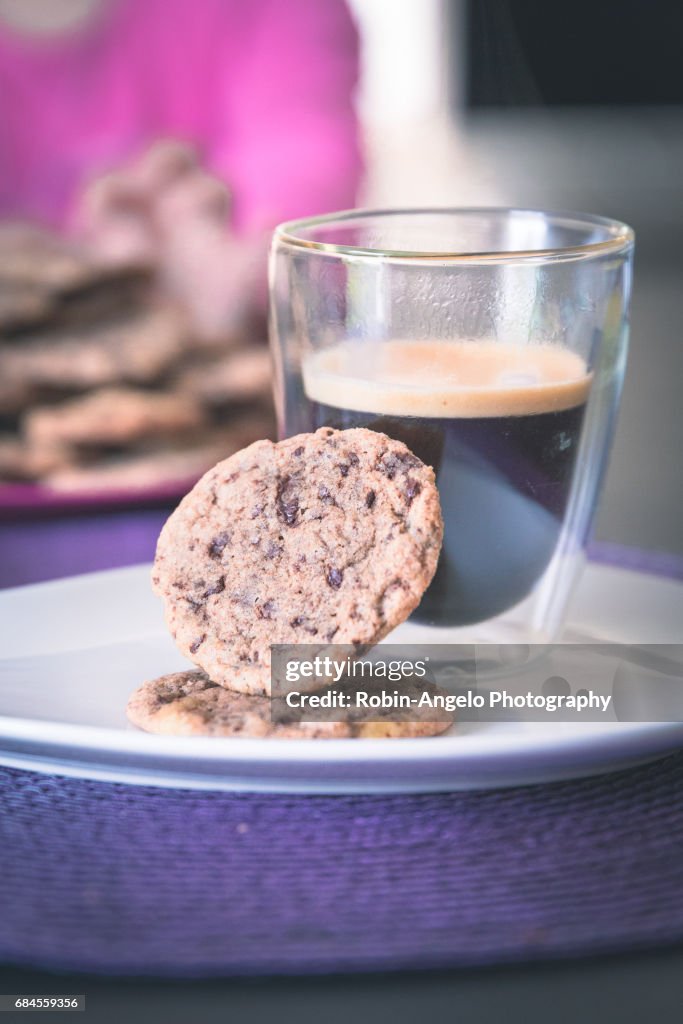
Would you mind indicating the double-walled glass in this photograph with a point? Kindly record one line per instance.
(493, 343)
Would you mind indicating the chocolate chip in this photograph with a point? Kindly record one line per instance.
(166, 698)
(370, 499)
(287, 504)
(335, 578)
(289, 512)
(216, 588)
(299, 450)
(273, 550)
(324, 495)
(352, 460)
(392, 462)
(266, 610)
(218, 544)
(301, 622)
(196, 644)
(412, 489)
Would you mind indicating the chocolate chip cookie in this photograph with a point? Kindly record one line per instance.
(132, 350)
(30, 254)
(113, 417)
(189, 704)
(22, 461)
(168, 463)
(325, 537)
(241, 376)
(21, 304)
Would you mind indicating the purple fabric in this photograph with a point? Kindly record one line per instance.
(111, 878)
(264, 89)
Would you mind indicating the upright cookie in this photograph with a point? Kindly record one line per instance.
(325, 537)
(189, 704)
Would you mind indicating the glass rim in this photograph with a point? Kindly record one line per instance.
(620, 237)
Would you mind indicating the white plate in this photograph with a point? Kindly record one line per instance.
(74, 649)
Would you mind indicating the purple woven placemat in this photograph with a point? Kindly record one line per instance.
(114, 878)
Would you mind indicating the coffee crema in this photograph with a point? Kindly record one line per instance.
(499, 423)
(446, 378)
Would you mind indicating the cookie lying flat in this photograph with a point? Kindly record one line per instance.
(22, 461)
(134, 349)
(30, 254)
(134, 472)
(325, 537)
(172, 464)
(16, 393)
(189, 704)
(114, 416)
(239, 377)
(21, 304)
(128, 288)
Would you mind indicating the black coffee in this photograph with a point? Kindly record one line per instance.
(503, 451)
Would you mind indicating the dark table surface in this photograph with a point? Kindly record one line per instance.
(633, 989)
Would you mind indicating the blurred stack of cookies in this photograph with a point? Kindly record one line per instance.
(106, 382)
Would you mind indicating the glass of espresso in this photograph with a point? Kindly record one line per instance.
(492, 342)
